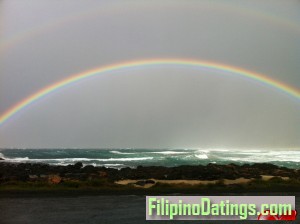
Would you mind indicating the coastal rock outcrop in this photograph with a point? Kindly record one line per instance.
(144, 182)
(78, 172)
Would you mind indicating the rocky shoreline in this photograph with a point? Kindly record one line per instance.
(16, 174)
(39, 171)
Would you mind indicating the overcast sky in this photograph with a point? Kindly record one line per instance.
(43, 42)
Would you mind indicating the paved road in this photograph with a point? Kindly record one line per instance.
(80, 210)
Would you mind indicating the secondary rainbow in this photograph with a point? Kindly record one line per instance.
(114, 8)
(147, 63)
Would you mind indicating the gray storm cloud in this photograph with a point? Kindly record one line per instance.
(158, 107)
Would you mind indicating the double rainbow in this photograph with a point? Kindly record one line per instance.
(148, 63)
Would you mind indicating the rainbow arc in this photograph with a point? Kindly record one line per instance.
(225, 69)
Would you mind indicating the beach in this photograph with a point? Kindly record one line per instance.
(194, 182)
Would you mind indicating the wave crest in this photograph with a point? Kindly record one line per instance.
(122, 153)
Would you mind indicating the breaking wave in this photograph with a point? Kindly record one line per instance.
(201, 156)
(169, 152)
(152, 157)
(122, 153)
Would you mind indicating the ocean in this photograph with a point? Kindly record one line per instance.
(121, 208)
(119, 158)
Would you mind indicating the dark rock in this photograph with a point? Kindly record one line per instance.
(150, 182)
(265, 166)
(89, 169)
(78, 165)
(102, 174)
(26, 172)
(144, 182)
(43, 176)
(33, 177)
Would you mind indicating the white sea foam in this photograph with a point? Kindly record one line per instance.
(169, 152)
(126, 159)
(203, 150)
(122, 153)
(113, 164)
(80, 159)
(219, 150)
(18, 159)
(264, 158)
(201, 156)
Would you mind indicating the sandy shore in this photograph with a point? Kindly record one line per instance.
(194, 182)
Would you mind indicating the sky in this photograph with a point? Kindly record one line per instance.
(43, 42)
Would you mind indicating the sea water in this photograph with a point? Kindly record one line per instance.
(119, 158)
